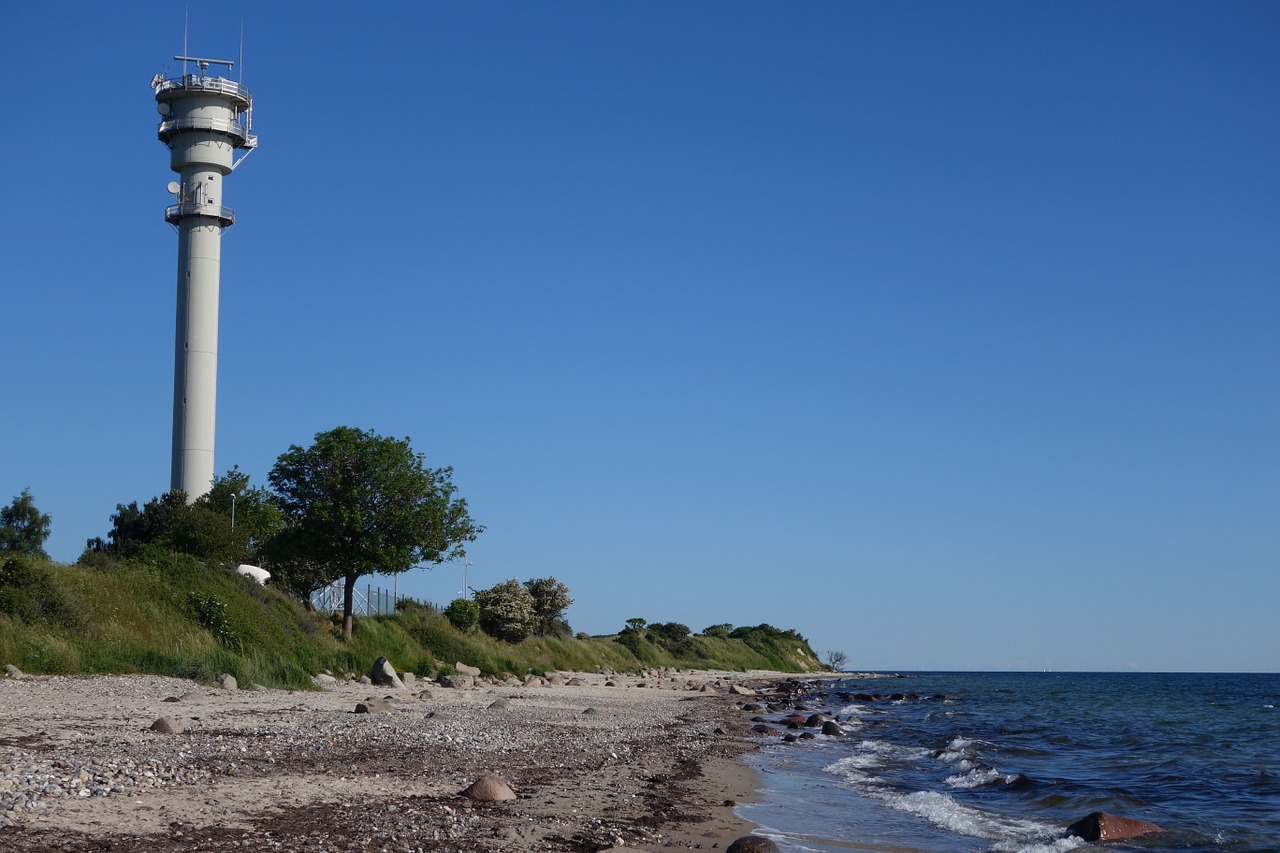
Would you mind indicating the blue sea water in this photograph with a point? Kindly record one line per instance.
(1006, 761)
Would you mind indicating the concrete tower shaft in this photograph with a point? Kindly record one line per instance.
(204, 121)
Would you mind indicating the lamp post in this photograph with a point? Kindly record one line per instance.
(233, 510)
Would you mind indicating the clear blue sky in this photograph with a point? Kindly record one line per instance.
(945, 333)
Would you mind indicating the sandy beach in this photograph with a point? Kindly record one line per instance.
(649, 763)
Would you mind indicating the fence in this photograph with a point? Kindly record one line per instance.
(373, 601)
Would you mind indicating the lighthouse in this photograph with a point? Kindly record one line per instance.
(204, 120)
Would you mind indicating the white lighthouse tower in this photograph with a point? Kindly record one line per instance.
(204, 121)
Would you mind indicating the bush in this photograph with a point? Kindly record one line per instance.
(550, 600)
(27, 592)
(463, 614)
(506, 611)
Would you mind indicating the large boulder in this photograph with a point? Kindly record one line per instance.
(1101, 826)
(227, 681)
(383, 674)
(464, 669)
(460, 682)
(489, 789)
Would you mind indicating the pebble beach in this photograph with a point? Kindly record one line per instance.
(594, 761)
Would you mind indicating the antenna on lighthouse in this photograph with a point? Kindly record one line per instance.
(204, 121)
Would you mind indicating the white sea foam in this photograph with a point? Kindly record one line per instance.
(977, 777)
(944, 812)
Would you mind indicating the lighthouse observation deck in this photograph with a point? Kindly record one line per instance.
(232, 117)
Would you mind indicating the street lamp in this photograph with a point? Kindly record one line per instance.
(233, 510)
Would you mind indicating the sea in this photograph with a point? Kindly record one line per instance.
(957, 762)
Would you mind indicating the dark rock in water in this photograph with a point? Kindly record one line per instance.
(1101, 826)
(832, 728)
(815, 720)
(793, 719)
(790, 738)
(863, 697)
(753, 844)
(807, 736)
(762, 729)
(489, 789)
(753, 706)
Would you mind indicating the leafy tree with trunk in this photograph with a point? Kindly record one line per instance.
(550, 600)
(23, 528)
(357, 503)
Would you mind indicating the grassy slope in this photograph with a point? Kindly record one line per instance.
(166, 614)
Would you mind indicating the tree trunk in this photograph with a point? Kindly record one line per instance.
(348, 600)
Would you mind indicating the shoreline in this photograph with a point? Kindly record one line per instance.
(647, 764)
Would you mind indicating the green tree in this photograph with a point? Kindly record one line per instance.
(23, 528)
(550, 600)
(356, 503)
(250, 510)
(506, 611)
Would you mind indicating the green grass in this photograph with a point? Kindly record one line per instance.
(166, 614)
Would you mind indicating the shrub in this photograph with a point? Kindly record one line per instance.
(211, 613)
(27, 592)
(550, 600)
(506, 611)
(463, 614)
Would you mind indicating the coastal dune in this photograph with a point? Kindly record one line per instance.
(645, 763)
